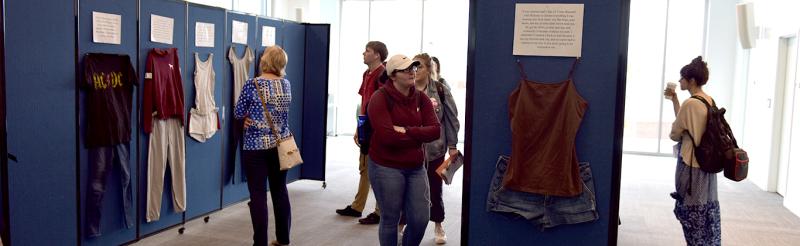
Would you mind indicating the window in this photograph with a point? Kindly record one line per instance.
(217, 3)
(664, 36)
(444, 35)
(354, 35)
(258, 7)
(408, 27)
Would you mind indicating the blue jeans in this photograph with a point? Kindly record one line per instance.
(401, 190)
(543, 210)
(101, 162)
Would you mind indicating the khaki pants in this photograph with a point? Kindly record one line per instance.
(363, 186)
(166, 144)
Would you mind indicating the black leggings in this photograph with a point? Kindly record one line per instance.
(261, 166)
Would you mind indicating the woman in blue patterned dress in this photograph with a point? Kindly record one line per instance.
(696, 203)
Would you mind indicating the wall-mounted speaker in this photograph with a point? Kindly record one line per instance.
(746, 25)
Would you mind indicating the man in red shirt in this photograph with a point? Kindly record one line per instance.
(374, 54)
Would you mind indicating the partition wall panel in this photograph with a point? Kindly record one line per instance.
(41, 121)
(493, 75)
(112, 223)
(177, 11)
(204, 159)
(235, 186)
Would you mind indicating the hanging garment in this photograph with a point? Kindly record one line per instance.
(163, 87)
(109, 80)
(162, 113)
(240, 69)
(203, 119)
(102, 161)
(543, 210)
(166, 146)
(544, 122)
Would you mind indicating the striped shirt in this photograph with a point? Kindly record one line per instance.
(278, 96)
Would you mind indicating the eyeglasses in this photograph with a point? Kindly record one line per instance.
(409, 69)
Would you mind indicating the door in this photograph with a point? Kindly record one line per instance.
(788, 61)
(790, 147)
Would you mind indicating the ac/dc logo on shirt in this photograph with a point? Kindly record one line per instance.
(103, 80)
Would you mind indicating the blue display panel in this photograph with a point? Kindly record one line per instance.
(294, 37)
(204, 159)
(316, 98)
(112, 224)
(176, 11)
(493, 74)
(41, 121)
(234, 188)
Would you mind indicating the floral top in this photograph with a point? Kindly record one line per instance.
(278, 96)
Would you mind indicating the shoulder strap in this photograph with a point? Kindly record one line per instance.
(443, 101)
(439, 90)
(521, 70)
(708, 105)
(572, 70)
(266, 113)
(702, 100)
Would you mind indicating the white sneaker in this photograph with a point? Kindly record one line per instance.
(400, 230)
(440, 237)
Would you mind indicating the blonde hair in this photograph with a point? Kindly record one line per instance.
(273, 61)
(425, 60)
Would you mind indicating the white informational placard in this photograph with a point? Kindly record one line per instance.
(161, 29)
(548, 29)
(106, 28)
(239, 33)
(204, 34)
(267, 36)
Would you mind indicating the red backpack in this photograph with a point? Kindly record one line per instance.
(718, 149)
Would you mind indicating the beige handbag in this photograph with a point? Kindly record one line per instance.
(288, 153)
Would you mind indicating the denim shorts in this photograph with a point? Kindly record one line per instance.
(543, 210)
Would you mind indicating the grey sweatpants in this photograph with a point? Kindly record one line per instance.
(166, 145)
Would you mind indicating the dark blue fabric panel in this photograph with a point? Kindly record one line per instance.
(176, 11)
(112, 225)
(294, 37)
(204, 160)
(496, 75)
(40, 89)
(316, 99)
(234, 192)
(280, 40)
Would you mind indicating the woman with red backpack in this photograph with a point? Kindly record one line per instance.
(696, 203)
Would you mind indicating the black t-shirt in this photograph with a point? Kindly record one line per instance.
(109, 80)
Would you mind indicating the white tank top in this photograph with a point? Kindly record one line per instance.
(204, 83)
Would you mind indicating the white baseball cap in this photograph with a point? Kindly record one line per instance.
(399, 62)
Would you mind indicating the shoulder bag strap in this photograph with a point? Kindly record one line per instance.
(266, 113)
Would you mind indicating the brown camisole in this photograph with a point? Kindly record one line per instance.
(545, 118)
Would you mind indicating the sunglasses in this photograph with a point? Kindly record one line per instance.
(409, 69)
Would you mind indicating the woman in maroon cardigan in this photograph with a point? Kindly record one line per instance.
(402, 119)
